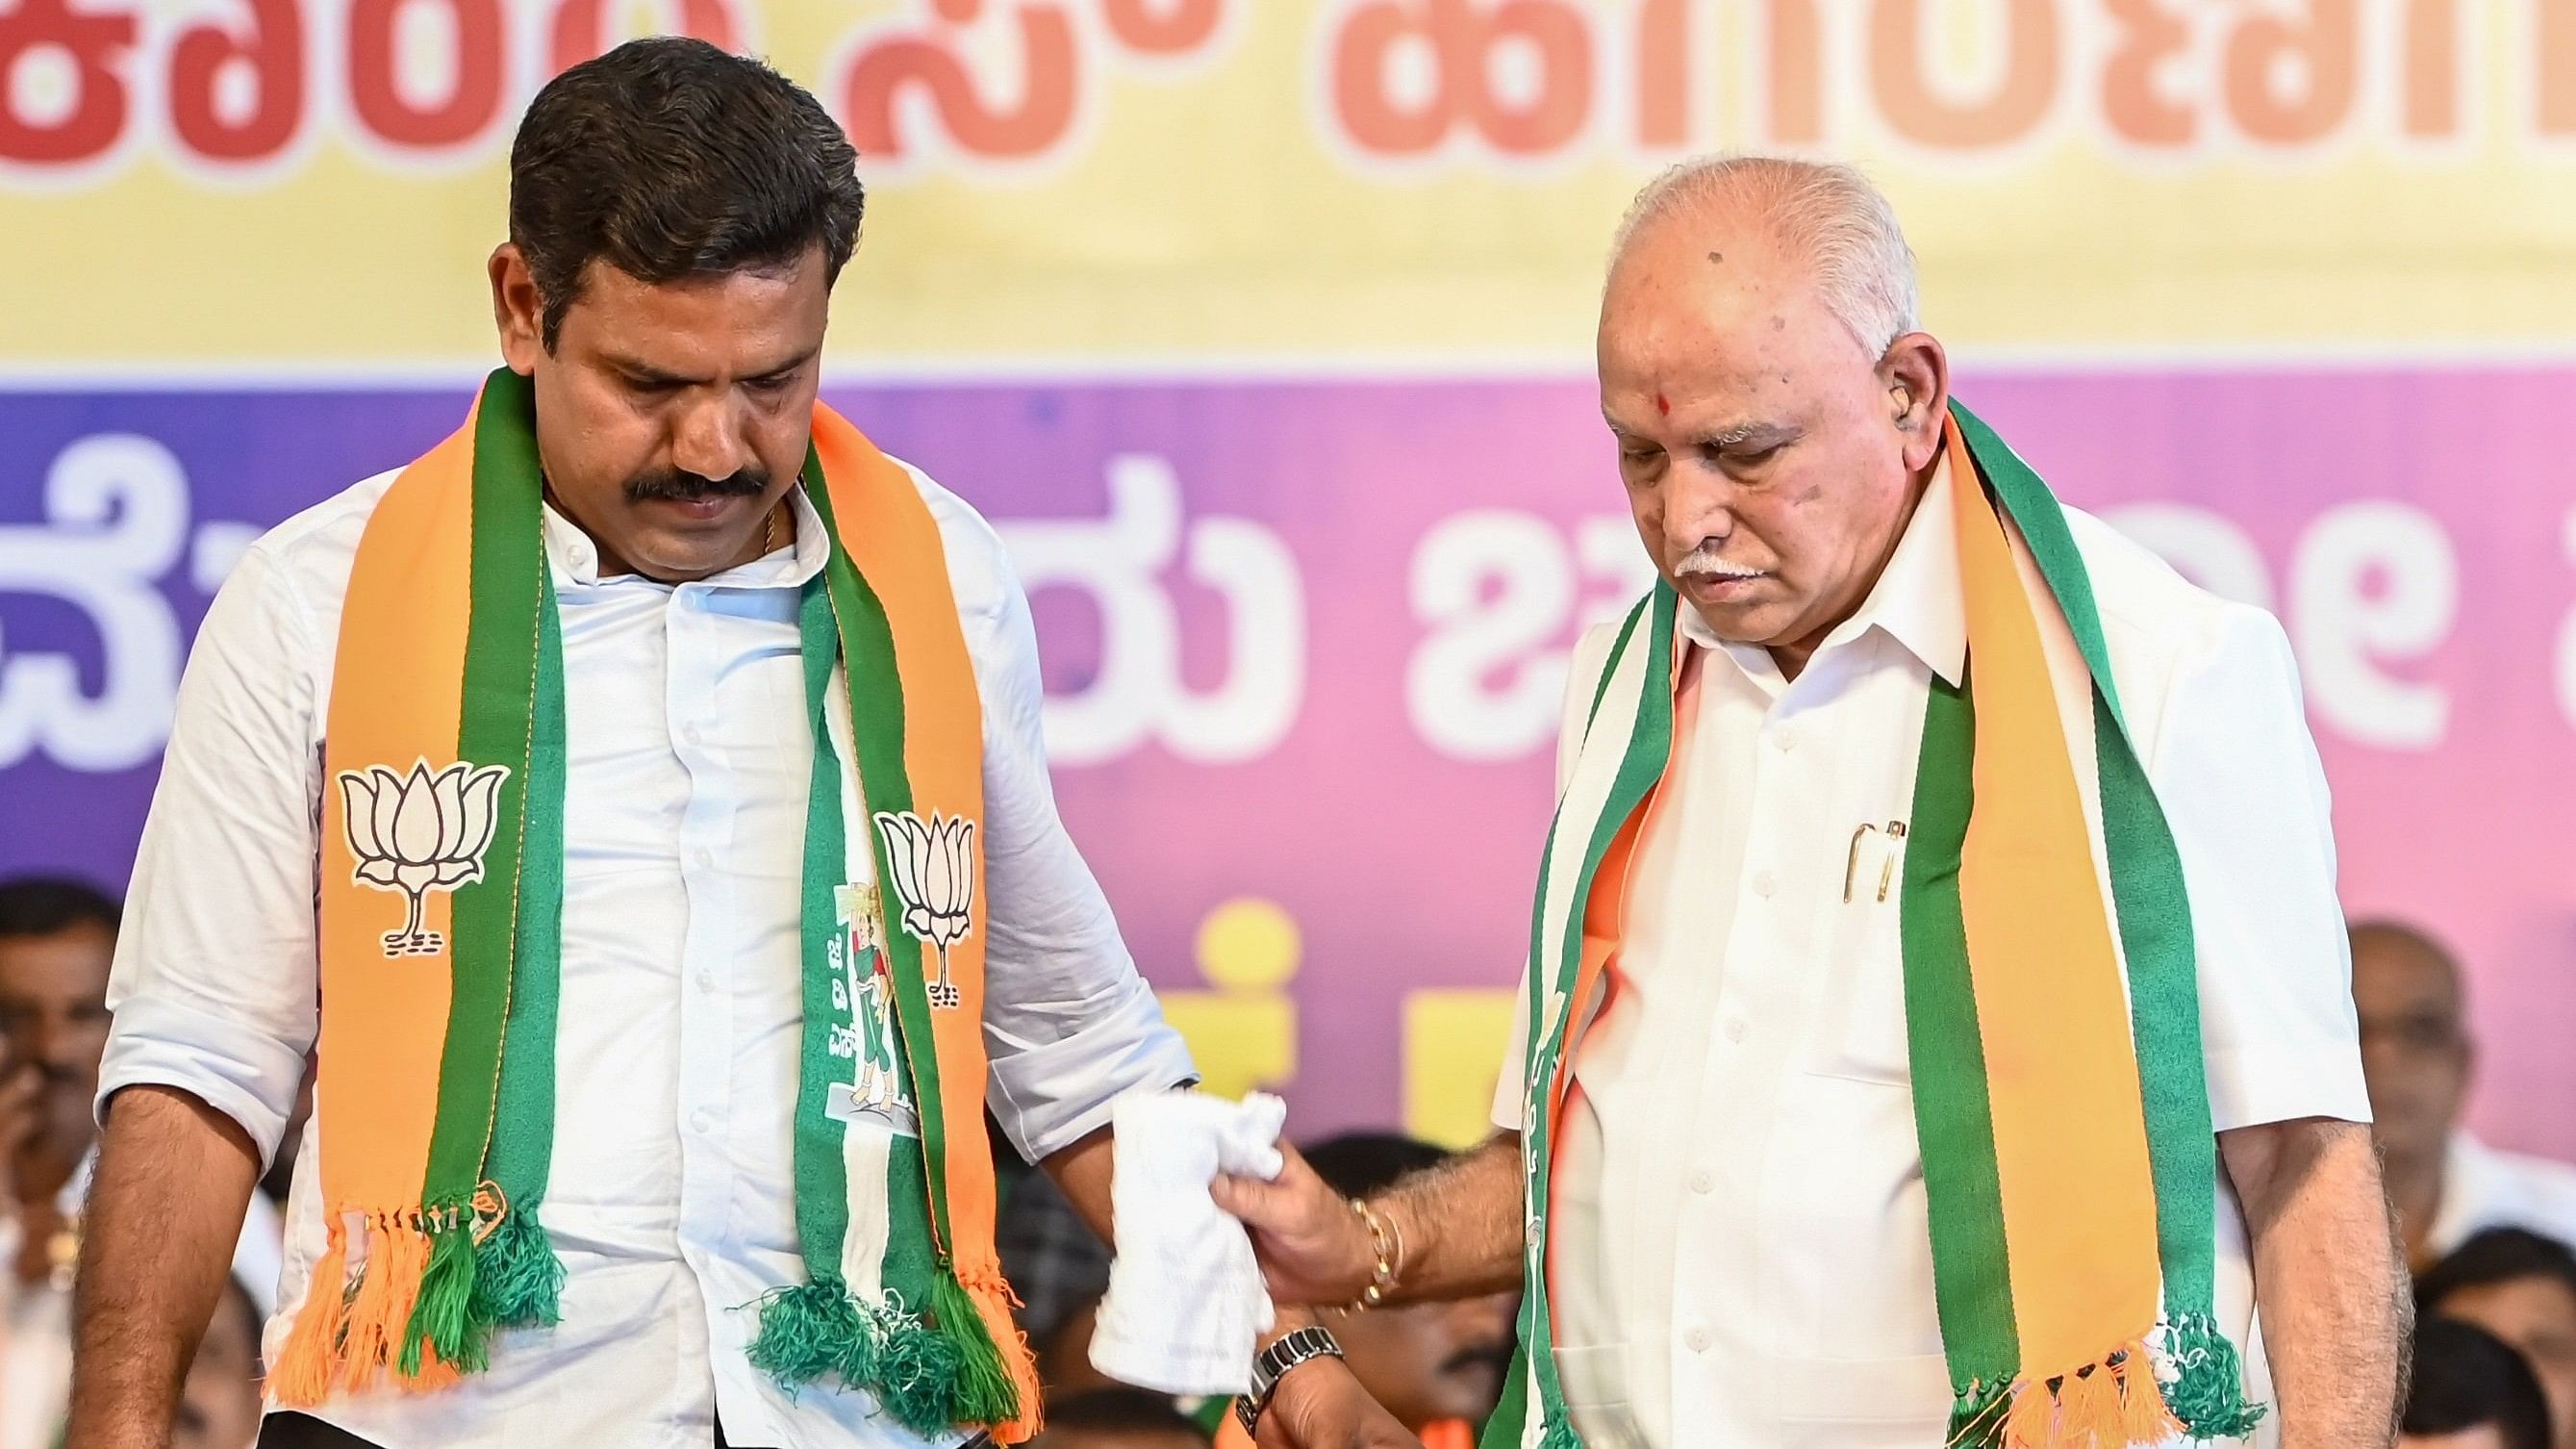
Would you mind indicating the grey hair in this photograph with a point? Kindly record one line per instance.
(1826, 213)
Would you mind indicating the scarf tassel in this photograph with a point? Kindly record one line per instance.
(310, 1358)
(442, 1325)
(2115, 1403)
(518, 1280)
(2208, 1391)
(1002, 1369)
(927, 1378)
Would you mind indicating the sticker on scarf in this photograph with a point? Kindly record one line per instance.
(862, 989)
(934, 877)
(419, 833)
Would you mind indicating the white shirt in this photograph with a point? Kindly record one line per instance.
(2483, 1188)
(684, 818)
(1741, 1247)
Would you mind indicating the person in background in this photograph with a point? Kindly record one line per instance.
(2470, 1390)
(2417, 1056)
(1117, 1418)
(57, 939)
(219, 1400)
(2521, 1287)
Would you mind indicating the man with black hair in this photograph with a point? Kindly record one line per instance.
(2521, 1287)
(2470, 1390)
(636, 805)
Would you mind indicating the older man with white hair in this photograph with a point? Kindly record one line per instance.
(1937, 1028)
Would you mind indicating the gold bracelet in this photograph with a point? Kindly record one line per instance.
(1386, 1248)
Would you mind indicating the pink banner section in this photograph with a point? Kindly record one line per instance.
(1305, 645)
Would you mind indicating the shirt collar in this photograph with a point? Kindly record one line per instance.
(576, 558)
(1915, 601)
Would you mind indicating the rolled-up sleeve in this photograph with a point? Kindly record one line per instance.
(2237, 773)
(213, 989)
(1069, 1023)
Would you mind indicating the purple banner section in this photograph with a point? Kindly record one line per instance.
(1304, 649)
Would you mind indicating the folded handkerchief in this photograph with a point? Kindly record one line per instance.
(1186, 1302)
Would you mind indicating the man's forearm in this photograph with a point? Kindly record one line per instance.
(1082, 1172)
(1461, 1224)
(2329, 1282)
(156, 1242)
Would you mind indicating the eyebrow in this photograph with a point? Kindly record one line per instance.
(647, 373)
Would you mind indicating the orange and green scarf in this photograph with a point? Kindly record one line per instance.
(2060, 1098)
(441, 913)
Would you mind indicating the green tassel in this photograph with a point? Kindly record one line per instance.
(442, 1318)
(2209, 1398)
(518, 1280)
(1977, 1414)
(805, 1332)
(917, 1373)
(985, 1393)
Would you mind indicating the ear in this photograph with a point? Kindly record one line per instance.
(1915, 374)
(517, 311)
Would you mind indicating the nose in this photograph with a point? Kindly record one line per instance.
(711, 437)
(1699, 507)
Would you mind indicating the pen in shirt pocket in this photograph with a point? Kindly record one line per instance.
(1888, 842)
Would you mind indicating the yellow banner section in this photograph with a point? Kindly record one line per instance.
(195, 182)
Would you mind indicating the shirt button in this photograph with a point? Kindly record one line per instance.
(694, 735)
(1703, 1183)
(1784, 740)
(1764, 883)
(706, 980)
(1697, 1339)
(702, 1122)
(704, 856)
(1735, 1028)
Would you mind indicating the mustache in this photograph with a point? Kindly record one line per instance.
(680, 485)
(1705, 559)
(1497, 1356)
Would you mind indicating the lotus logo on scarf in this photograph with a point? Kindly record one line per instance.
(420, 833)
(934, 877)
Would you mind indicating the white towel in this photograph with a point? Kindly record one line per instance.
(1186, 1303)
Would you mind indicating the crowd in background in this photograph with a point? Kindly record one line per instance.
(2488, 1232)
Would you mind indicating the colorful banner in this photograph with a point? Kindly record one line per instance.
(1263, 331)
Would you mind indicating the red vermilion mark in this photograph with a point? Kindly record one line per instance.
(1662, 406)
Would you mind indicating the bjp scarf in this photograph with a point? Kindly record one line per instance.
(444, 822)
(2053, 1028)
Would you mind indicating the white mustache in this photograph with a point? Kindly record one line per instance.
(1702, 562)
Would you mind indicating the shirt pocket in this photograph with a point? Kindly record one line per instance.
(1863, 1403)
(1856, 1029)
(1595, 1380)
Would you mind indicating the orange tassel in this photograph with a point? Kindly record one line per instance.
(2144, 1419)
(397, 1256)
(2031, 1422)
(310, 1358)
(993, 1298)
(2091, 1419)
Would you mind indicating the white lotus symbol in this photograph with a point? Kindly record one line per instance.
(419, 833)
(934, 877)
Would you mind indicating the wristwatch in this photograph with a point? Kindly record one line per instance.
(1274, 1362)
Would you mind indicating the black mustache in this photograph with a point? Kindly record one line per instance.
(679, 485)
(1497, 1355)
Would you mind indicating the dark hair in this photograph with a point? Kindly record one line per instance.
(670, 158)
(1356, 1164)
(2498, 1255)
(1119, 1411)
(2465, 1377)
(48, 905)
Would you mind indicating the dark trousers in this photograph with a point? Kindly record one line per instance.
(303, 1431)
